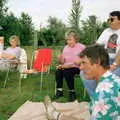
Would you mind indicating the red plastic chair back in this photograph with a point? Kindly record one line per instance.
(43, 60)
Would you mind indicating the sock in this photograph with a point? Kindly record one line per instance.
(56, 115)
(72, 90)
(59, 89)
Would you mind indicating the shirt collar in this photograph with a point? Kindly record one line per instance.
(106, 74)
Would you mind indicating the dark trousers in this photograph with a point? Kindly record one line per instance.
(68, 74)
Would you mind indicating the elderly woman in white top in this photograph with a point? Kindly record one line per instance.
(11, 53)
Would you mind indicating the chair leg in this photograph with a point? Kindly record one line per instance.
(55, 87)
(41, 82)
(41, 79)
(6, 78)
(48, 71)
(20, 79)
(49, 86)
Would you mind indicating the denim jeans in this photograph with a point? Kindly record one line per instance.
(90, 85)
(117, 71)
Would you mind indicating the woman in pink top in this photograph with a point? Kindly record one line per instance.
(67, 67)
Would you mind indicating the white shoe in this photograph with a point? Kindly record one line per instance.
(50, 109)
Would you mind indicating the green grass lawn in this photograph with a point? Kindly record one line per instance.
(11, 99)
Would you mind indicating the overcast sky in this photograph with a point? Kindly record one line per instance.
(40, 10)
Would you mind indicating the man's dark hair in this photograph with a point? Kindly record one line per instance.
(96, 54)
(115, 13)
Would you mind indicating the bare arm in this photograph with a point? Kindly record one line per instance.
(8, 56)
(116, 62)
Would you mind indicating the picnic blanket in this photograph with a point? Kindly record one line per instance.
(36, 110)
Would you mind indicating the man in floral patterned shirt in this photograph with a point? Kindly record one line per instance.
(105, 104)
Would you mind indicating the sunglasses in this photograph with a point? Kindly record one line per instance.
(110, 19)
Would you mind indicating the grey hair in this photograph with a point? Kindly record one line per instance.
(72, 33)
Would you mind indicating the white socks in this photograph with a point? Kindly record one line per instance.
(56, 115)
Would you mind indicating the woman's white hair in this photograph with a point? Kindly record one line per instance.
(16, 38)
(72, 33)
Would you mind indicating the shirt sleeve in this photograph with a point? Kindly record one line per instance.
(17, 53)
(82, 47)
(103, 38)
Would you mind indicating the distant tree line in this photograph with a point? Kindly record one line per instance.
(54, 32)
(11, 25)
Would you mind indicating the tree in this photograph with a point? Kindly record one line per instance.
(74, 18)
(44, 37)
(21, 27)
(57, 29)
(3, 8)
(91, 29)
(53, 33)
(8, 22)
(10, 25)
(27, 29)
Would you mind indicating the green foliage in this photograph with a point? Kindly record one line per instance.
(74, 18)
(90, 30)
(22, 27)
(10, 25)
(3, 8)
(45, 37)
(27, 29)
(54, 33)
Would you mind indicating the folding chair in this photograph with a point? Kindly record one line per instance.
(11, 66)
(20, 66)
(42, 62)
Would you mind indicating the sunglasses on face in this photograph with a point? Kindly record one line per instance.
(110, 19)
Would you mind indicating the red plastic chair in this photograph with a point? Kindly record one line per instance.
(42, 62)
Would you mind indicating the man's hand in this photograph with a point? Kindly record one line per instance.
(113, 67)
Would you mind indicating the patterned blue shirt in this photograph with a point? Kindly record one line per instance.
(105, 104)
